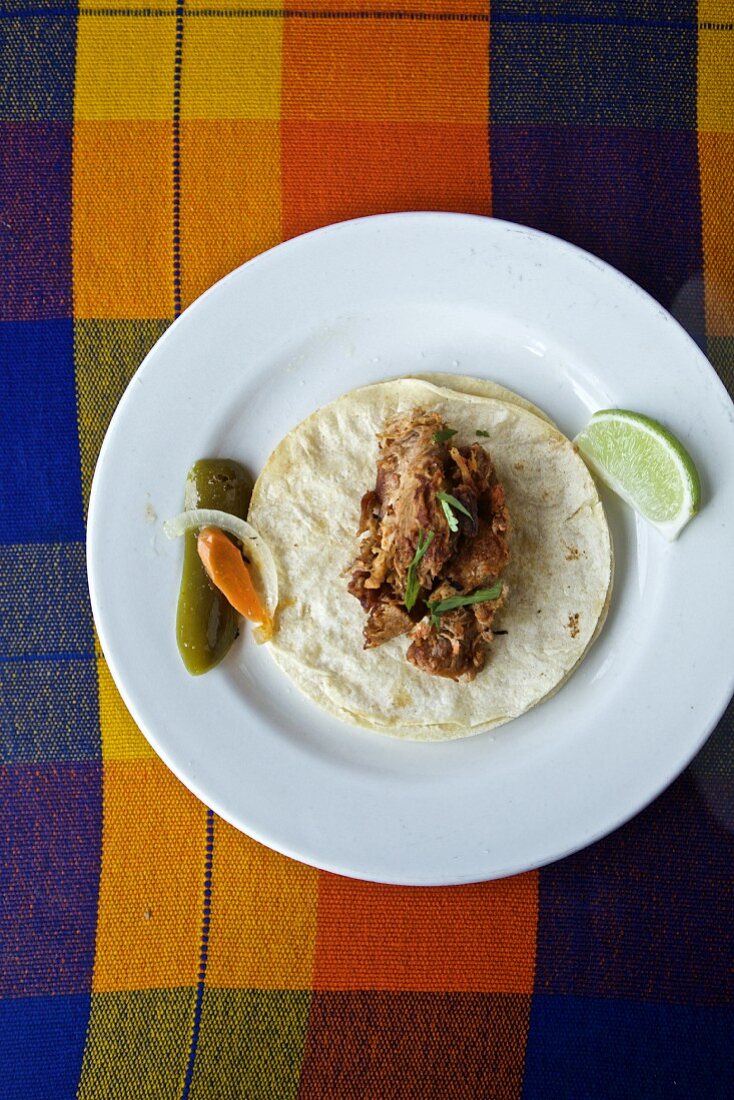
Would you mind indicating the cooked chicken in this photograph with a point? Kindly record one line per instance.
(410, 472)
(449, 651)
(384, 622)
(397, 517)
(458, 646)
(362, 583)
(479, 560)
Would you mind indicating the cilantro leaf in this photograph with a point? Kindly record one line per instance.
(447, 498)
(444, 435)
(485, 434)
(412, 584)
(440, 607)
(450, 517)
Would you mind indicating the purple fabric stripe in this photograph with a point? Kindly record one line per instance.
(50, 825)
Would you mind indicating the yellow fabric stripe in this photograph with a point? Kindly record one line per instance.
(137, 1045)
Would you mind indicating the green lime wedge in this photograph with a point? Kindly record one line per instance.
(645, 465)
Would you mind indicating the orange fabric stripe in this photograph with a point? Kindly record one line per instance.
(455, 9)
(263, 925)
(478, 938)
(230, 209)
(356, 69)
(122, 223)
(399, 165)
(716, 166)
(149, 912)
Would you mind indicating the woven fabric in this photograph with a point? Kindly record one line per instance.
(147, 147)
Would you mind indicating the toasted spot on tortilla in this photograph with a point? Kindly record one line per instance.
(400, 698)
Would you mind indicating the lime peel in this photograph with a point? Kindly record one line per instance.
(644, 464)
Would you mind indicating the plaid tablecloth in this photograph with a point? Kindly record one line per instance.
(148, 949)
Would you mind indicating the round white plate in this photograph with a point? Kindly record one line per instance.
(289, 331)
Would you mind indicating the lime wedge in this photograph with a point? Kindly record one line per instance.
(645, 465)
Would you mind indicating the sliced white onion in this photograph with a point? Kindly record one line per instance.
(209, 517)
(255, 548)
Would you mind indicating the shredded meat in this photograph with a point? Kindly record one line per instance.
(362, 583)
(410, 472)
(458, 647)
(404, 507)
(385, 621)
(369, 510)
(480, 560)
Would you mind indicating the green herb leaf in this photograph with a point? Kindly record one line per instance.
(447, 498)
(440, 607)
(444, 435)
(485, 434)
(450, 517)
(412, 584)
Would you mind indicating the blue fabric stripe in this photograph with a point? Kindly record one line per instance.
(204, 952)
(42, 1045)
(53, 658)
(40, 469)
(37, 57)
(45, 601)
(546, 74)
(49, 711)
(177, 64)
(582, 1048)
(645, 914)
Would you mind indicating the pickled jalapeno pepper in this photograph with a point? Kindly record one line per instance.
(206, 623)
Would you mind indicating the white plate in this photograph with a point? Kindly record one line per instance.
(289, 331)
